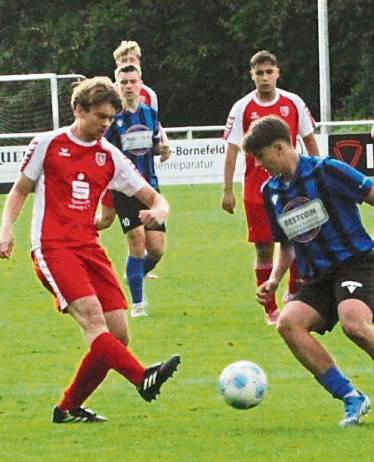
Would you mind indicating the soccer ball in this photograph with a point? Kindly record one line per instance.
(243, 384)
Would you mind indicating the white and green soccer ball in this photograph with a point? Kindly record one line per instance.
(243, 384)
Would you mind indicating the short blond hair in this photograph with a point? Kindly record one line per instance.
(126, 47)
(97, 90)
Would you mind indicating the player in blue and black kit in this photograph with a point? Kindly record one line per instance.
(135, 131)
(312, 205)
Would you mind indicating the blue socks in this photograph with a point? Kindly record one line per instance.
(335, 383)
(135, 275)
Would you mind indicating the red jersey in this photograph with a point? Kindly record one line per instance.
(149, 97)
(290, 107)
(71, 176)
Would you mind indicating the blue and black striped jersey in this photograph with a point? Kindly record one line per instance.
(136, 134)
(318, 213)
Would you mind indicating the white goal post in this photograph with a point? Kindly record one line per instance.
(34, 103)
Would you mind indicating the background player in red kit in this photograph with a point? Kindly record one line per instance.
(70, 169)
(266, 99)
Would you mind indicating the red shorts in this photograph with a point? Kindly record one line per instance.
(259, 228)
(72, 273)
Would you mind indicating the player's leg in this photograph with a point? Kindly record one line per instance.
(107, 352)
(356, 319)
(155, 246)
(313, 309)
(117, 323)
(259, 232)
(135, 269)
(354, 290)
(128, 209)
(295, 324)
(93, 370)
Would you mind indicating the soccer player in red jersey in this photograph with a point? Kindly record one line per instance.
(70, 169)
(266, 99)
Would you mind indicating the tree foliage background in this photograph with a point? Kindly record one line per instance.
(196, 54)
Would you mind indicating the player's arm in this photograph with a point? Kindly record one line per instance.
(104, 217)
(163, 150)
(163, 134)
(161, 146)
(370, 197)
(311, 145)
(228, 200)
(158, 207)
(372, 131)
(283, 260)
(12, 208)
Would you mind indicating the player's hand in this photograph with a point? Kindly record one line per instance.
(152, 218)
(266, 290)
(228, 201)
(165, 152)
(6, 244)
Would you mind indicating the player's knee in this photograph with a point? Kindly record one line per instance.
(354, 329)
(94, 319)
(286, 326)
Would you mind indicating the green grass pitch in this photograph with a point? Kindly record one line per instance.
(202, 307)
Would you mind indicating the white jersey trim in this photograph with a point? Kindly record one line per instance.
(153, 96)
(234, 126)
(38, 213)
(50, 279)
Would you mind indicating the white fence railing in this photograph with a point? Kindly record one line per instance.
(198, 151)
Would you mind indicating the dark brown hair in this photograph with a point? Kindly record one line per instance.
(264, 132)
(262, 57)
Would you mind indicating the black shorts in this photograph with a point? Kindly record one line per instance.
(127, 209)
(354, 278)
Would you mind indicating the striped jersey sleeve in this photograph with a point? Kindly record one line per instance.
(346, 180)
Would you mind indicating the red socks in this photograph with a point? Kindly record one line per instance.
(107, 352)
(90, 374)
(263, 272)
(118, 357)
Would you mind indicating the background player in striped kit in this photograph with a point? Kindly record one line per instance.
(129, 52)
(312, 206)
(135, 132)
(264, 100)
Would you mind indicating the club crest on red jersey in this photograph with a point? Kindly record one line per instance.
(285, 111)
(100, 158)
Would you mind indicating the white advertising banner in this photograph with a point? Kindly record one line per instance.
(195, 161)
(10, 162)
